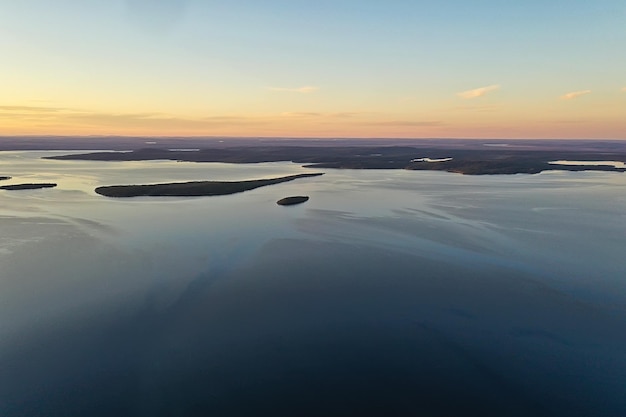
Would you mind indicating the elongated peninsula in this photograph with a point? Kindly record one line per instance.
(193, 188)
(27, 186)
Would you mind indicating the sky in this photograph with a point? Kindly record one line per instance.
(328, 68)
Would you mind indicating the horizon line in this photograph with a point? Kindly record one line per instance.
(298, 137)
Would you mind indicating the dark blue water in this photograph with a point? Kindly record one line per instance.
(388, 293)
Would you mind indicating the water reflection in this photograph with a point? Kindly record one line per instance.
(616, 164)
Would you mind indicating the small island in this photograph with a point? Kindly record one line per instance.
(193, 188)
(4, 178)
(27, 186)
(290, 201)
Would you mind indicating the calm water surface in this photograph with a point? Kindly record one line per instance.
(389, 293)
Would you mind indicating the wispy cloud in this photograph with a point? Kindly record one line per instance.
(575, 94)
(302, 90)
(408, 123)
(301, 114)
(474, 108)
(567, 121)
(163, 120)
(32, 113)
(478, 92)
(345, 114)
(86, 118)
(32, 109)
(336, 115)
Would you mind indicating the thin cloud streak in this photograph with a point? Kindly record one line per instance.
(575, 94)
(301, 114)
(478, 92)
(165, 121)
(473, 108)
(408, 123)
(32, 109)
(81, 118)
(335, 115)
(302, 90)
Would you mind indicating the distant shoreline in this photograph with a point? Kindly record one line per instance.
(127, 143)
(493, 160)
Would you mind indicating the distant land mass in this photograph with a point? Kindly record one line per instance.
(4, 178)
(27, 186)
(128, 143)
(193, 188)
(488, 158)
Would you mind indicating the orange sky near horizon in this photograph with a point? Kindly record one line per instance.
(475, 120)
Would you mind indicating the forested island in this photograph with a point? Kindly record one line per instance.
(193, 188)
(293, 200)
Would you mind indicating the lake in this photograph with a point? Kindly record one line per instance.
(389, 292)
